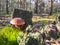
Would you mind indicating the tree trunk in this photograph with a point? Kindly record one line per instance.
(36, 7)
(7, 8)
(51, 7)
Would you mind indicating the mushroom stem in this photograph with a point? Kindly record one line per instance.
(17, 27)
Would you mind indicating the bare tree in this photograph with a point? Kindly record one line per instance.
(36, 6)
(51, 7)
(7, 8)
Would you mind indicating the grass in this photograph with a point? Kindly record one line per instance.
(36, 18)
(53, 15)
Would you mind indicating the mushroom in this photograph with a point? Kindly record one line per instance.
(17, 22)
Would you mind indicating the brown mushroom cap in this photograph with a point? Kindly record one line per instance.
(17, 21)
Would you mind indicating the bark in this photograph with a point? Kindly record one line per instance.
(51, 7)
(7, 8)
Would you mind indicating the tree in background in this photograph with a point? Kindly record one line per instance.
(36, 6)
(7, 8)
(51, 7)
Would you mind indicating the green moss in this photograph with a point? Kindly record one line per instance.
(8, 36)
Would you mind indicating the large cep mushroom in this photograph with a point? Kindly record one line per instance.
(18, 22)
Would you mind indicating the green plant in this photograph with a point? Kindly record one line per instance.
(8, 36)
